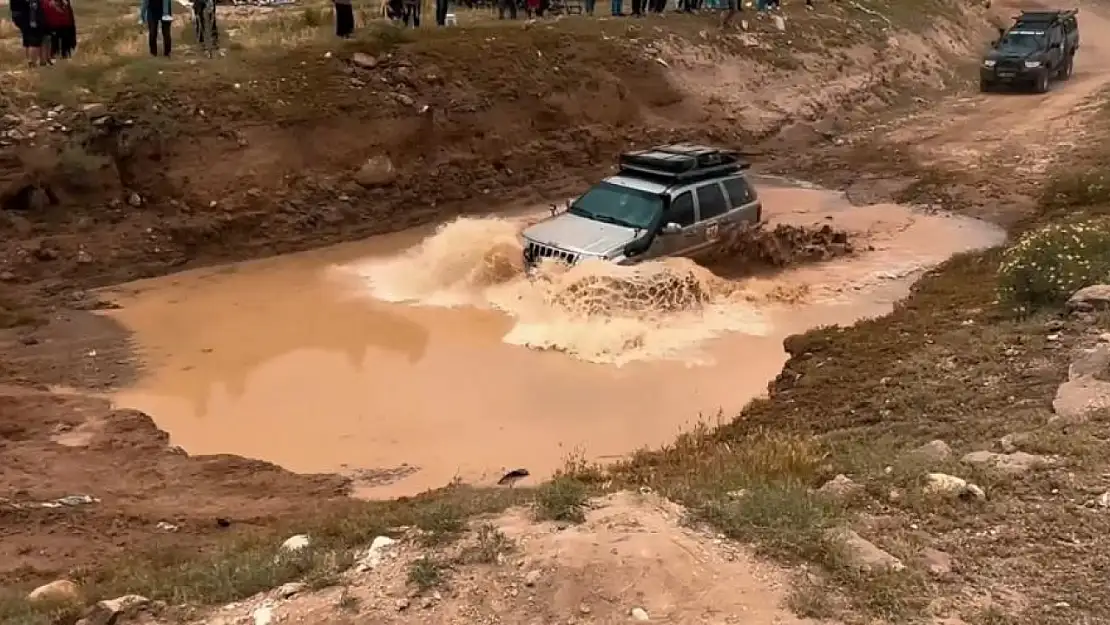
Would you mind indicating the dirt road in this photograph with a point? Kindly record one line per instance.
(1016, 132)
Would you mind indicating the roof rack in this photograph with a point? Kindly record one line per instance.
(1044, 17)
(682, 162)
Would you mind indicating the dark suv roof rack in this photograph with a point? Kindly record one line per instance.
(1043, 17)
(682, 162)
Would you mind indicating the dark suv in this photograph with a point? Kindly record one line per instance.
(1038, 48)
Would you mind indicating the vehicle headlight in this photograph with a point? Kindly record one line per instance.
(989, 63)
(1032, 64)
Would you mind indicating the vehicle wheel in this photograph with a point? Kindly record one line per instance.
(1068, 68)
(1041, 86)
(985, 86)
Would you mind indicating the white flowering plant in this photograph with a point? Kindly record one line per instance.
(1049, 264)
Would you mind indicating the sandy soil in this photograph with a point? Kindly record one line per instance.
(632, 558)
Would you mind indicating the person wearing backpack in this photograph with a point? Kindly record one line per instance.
(158, 17)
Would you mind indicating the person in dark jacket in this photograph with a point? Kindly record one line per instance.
(27, 17)
(507, 5)
(158, 17)
(344, 18)
(204, 23)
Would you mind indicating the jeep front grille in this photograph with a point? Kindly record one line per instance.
(1009, 66)
(535, 252)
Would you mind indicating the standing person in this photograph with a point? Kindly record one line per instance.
(734, 6)
(510, 6)
(616, 6)
(158, 16)
(637, 8)
(60, 28)
(204, 23)
(412, 13)
(344, 18)
(441, 12)
(25, 16)
(590, 6)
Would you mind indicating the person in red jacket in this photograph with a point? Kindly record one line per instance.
(61, 28)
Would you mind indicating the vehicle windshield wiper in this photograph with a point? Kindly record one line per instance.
(610, 220)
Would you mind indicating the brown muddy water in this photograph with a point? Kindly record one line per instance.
(413, 359)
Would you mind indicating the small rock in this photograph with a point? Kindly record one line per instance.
(936, 562)
(1103, 500)
(291, 588)
(166, 527)
(780, 23)
(296, 543)
(532, 578)
(584, 609)
(377, 171)
(1094, 297)
(375, 554)
(7, 276)
(135, 200)
(402, 604)
(950, 485)
(1015, 463)
(640, 615)
(83, 257)
(61, 590)
(933, 452)
(404, 99)
(1014, 441)
(264, 615)
(364, 60)
(112, 611)
(840, 486)
(1094, 362)
(94, 110)
(861, 554)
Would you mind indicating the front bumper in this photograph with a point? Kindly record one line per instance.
(1010, 75)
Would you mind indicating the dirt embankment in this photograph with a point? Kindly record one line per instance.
(262, 155)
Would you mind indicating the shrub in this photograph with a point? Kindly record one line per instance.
(1047, 265)
(1077, 189)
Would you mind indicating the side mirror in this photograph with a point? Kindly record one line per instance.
(671, 228)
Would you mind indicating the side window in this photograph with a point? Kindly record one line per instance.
(739, 193)
(682, 210)
(711, 201)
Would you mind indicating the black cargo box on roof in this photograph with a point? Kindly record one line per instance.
(1043, 17)
(682, 162)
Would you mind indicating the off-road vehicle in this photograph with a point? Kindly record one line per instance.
(671, 200)
(1038, 48)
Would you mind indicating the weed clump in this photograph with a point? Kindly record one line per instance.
(1047, 265)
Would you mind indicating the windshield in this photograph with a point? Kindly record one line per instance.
(619, 205)
(1022, 42)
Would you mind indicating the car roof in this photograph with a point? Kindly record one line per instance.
(650, 186)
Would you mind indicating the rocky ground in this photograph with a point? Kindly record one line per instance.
(945, 462)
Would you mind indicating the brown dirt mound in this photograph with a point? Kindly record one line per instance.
(56, 446)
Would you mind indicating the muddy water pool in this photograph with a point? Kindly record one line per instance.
(412, 359)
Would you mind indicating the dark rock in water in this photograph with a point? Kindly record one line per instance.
(512, 477)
